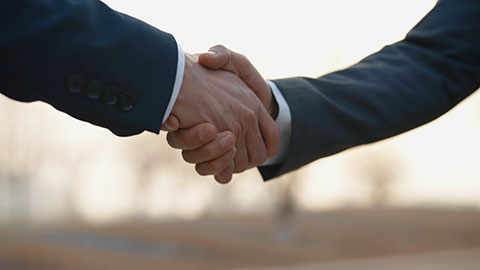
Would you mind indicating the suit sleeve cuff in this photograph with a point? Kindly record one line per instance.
(284, 121)
(178, 83)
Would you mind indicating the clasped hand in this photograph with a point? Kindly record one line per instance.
(223, 119)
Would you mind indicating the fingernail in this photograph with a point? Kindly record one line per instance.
(228, 140)
(167, 126)
(234, 150)
(212, 52)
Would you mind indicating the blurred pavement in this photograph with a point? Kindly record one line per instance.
(446, 260)
(330, 239)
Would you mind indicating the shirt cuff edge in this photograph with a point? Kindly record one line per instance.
(284, 121)
(178, 83)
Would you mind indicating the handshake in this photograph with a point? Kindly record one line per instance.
(223, 118)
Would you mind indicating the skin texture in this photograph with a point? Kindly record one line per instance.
(220, 123)
(216, 151)
(219, 57)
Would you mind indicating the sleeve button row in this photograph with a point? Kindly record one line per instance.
(94, 89)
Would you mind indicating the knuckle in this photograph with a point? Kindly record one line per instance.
(227, 158)
(250, 116)
(209, 151)
(201, 170)
(188, 156)
(237, 129)
(225, 161)
(228, 140)
(212, 167)
(171, 139)
(216, 167)
(204, 133)
(191, 137)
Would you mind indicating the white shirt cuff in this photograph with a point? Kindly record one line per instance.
(284, 121)
(178, 83)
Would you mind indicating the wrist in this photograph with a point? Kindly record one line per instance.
(182, 102)
(273, 108)
(187, 79)
(193, 97)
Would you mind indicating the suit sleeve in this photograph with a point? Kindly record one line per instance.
(392, 91)
(87, 60)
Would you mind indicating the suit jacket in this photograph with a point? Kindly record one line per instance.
(87, 60)
(392, 91)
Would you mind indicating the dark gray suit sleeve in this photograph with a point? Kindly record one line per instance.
(392, 91)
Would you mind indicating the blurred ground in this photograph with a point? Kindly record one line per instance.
(468, 259)
(248, 242)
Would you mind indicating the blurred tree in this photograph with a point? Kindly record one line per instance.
(285, 204)
(149, 155)
(28, 143)
(21, 156)
(379, 171)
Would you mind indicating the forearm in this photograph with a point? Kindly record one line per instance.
(44, 42)
(399, 88)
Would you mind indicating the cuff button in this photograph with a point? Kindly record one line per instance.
(94, 89)
(126, 102)
(75, 83)
(110, 96)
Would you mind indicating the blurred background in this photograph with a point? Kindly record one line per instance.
(74, 196)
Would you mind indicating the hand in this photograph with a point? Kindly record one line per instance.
(219, 57)
(210, 151)
(225, 104)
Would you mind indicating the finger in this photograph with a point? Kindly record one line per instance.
(216, 58)
(225, 176)
(216, 166)
(241, 158)
(244, 69)
(224, 142)
(257, 152)
(271, 133)
(172, 124)
(192, 138)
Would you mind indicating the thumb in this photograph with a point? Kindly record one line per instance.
(217, 57)
(172, 124)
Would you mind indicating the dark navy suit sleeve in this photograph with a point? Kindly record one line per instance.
(85, 59)
(392, 91)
